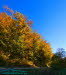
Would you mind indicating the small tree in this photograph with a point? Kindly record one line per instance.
(58, 59)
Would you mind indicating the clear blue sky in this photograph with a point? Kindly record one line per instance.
(49, 17)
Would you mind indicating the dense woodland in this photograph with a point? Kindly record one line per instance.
(19, 45)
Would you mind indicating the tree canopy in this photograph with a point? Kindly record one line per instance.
(19, 43)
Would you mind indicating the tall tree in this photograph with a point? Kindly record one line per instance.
(17, 41)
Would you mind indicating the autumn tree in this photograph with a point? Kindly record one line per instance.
(17, 41)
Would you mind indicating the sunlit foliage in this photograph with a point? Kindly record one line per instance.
(17, 41)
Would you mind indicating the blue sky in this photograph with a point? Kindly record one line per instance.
(49, 17)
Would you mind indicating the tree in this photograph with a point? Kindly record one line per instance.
(60, 52)
(58, 59)
(17, 41)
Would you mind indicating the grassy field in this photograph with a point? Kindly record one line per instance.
(32, 71)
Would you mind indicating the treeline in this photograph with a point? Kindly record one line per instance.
(20, 46)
